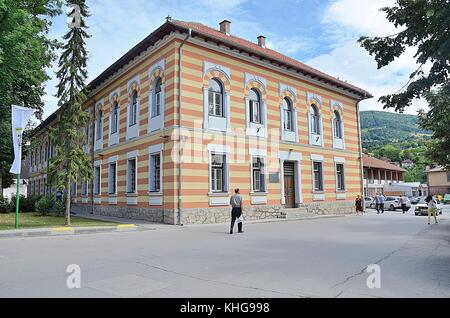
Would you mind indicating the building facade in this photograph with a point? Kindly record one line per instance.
(438, 181)
(379, 175)
(191, 113)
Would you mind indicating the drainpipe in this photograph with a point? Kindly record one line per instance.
(92, 130)
(358, 118)
(180, 78)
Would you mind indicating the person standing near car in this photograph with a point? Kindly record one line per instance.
(381, 202)
(377, 202)
(432, 207)
(403, 203)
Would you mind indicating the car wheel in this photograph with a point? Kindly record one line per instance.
(391, 208)
(416, 213)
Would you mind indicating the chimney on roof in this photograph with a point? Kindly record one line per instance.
(262, 41)
(225, 26)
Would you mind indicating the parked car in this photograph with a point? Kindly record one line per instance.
(368, 202)
(393, 203)
(421, 208)
(414, 200)
(447, 198)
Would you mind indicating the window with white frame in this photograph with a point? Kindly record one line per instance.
(155, 172)
(340, 180)
(218, 173)
(258, 175)
(98, 126)
(133, 109)
(112, 178)
(288, 115)
(73, 189)
(337, 125)
(97, 180)
(131, 175)
(84, 188)
(115, 118)
(215, 98)
(315, 120)
(255, 107)
(157, 99)
(318, 175)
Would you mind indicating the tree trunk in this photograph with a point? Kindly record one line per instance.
(1, 181)
(68, 203)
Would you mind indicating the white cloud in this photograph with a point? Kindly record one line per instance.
(344, 21)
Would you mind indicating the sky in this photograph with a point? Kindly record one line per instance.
(320, 33)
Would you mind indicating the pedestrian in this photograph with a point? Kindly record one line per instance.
(403, 203)
(359, 205)
(377, 202)
(236, 211)
(432, 207)
(382, 199)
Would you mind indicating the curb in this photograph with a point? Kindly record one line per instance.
(62, 231)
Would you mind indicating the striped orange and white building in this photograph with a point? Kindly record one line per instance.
(191, 113)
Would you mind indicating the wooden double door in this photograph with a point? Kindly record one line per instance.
(289, 184)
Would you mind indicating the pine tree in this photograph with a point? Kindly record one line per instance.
(71, 161)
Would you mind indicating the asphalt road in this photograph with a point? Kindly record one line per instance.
(309, 258)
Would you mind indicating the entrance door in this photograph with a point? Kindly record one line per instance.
(289, 184)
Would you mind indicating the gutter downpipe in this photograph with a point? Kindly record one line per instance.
(180, 78)
(92, 130)
(358, 117)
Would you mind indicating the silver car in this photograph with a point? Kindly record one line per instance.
(421, 207)
(393, 203)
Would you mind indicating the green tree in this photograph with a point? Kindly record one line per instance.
(424, 25)
(25, 53)
(438, 121)
(71, 160)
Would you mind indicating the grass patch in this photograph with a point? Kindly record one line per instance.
(36, 220)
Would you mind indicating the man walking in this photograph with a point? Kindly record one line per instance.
(403, 203)
(381, 200)
(377, 202)
(236, 212)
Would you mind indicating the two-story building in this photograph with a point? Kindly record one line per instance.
(191, 113)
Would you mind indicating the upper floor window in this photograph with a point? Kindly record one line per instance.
(215, 98)
(98, 132)
(288, 115)
(255, 107)
(133, 109)
(315, 120)
(337, 123)
(157, 99)
(115, 118)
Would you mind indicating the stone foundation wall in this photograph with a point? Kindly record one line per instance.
(218, 214)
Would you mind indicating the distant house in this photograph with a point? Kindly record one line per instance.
(438, 180)
(378, 173)
(407, 163)
(12, 190)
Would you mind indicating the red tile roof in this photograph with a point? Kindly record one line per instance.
(234, 40)
(371, 162)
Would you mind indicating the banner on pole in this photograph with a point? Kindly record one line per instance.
(19, 120)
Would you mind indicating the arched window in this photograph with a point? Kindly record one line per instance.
(255, 107)
(315, 120)
(98, 133)
(115, 118)
(337, 123)
(133, 109)
(288, 118)
(215, 98)
(156, 106)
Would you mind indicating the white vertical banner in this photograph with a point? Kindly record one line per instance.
(19, 120)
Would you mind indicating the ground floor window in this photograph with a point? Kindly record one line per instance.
(131, 175)
(258, 177)
(155, 173)
(218, 173)
(318, 177)
(97, 180)
(84, 188)
(340, 177)
(112, 178)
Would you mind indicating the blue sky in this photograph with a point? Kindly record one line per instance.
(320, 33)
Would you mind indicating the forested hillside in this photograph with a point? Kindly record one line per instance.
(395, 137)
